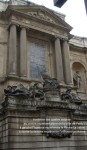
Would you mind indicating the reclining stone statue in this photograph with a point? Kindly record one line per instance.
(67, 95)
(19, 90)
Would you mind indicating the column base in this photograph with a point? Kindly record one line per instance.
(23, 76)
(12, 74)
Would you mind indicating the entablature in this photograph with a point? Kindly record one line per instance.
(39, 19)
(33, 25)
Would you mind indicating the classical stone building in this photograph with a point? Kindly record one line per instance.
(34, 40)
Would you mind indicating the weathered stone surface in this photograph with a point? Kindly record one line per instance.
(17, 114)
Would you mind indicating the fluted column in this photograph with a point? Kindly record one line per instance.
(23, 52)
(12, 62)
(59, 65)
(66, 62)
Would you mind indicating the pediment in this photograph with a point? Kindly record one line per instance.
(42, 13)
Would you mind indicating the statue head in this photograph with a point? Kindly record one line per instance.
(77, 72)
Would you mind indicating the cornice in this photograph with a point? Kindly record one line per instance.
(78, 48)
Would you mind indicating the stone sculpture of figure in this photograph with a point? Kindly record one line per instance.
(77, 79)
(18, 90)
(71, 97)
(36, 91)
(49, 82)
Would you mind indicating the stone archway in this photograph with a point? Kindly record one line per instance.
(79, 76)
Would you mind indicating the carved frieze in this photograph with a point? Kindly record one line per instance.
(41, 15)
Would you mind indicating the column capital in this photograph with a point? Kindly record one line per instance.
(57, 37)
(63, 39)
(22, 27)
(12, 24)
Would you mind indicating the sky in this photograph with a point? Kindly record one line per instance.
(75, 14)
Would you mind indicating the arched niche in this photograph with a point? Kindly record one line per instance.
(79, 76)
